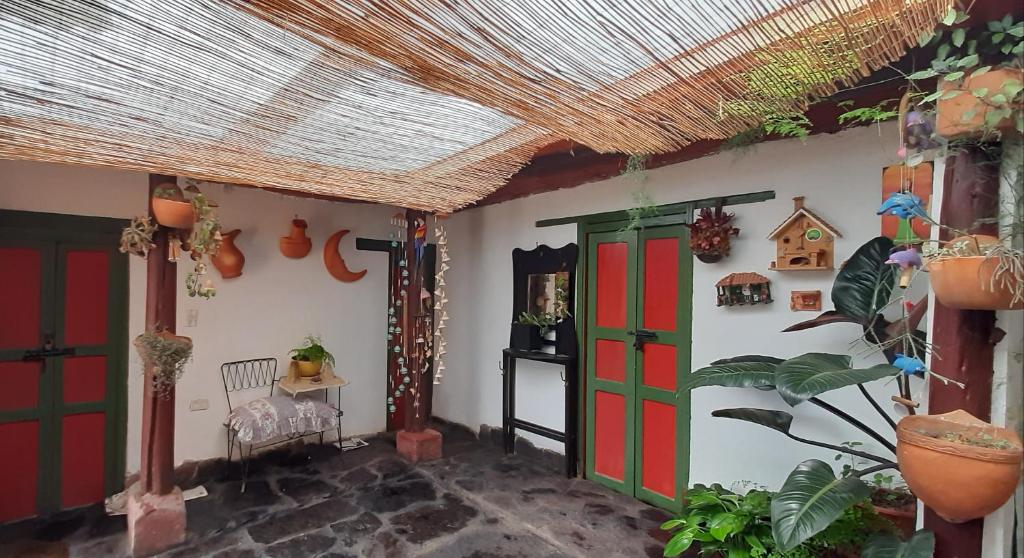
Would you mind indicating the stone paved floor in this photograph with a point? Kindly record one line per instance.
(312, 502)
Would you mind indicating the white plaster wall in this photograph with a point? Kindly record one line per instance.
(265, 312)
(839, 175)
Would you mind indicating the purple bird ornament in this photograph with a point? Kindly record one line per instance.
(908, 260)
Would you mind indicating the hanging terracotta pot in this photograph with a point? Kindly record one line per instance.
(970, 282)
(229, 260)
(959, 466)
(170, 208)
(952, 113)
(296, 244)
(709, 257)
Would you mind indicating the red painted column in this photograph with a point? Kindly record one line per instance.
(964, 338)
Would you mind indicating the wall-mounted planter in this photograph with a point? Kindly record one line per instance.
(959, 466)
(709, 257)
(229, 260)
(296, 244)
(173, 213)
(964, 114)
(526, 337)
(970, 281)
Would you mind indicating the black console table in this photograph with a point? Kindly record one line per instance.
(509, 421)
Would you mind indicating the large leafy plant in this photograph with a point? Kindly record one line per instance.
(812, 497)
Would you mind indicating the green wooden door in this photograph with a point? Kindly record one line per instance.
(637, 352)
(63, 340)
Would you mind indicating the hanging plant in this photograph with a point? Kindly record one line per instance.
(137, 237)
(166, 354)
(709, 234)
(978, 272)
(171, 209)
(203, 242)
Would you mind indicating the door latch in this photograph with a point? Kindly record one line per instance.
(642, 336)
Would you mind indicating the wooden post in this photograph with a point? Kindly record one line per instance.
(157, 474)
(964, 339)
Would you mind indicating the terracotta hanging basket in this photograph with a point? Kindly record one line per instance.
(970, 281)
(964, 114)
(173, 213)
(296, 244)
(959, 466)
(709, 257)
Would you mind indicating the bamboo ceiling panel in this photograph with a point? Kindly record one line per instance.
(427, 104)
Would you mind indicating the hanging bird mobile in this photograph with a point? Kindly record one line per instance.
(908, 260)
(909, 365)
(903, 205)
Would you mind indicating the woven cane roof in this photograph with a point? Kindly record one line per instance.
(417, 103)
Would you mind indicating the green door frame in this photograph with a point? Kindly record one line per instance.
(54, 233)
(660, 226)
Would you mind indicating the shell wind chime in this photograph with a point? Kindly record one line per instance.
(440, 300)
(397, 383)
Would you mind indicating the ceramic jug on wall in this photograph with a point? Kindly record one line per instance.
(229, 260)
(296, 244)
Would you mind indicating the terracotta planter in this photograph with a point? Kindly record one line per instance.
(905, 520)
(950, 121)
(309, 368)
(174, 214)
(709, 258)
(229, 260)
(296, 244)
(966, 282)
(959, 481)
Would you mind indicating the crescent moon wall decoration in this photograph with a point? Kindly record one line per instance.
(335, 263)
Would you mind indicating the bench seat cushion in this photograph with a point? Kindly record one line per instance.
(268, 418)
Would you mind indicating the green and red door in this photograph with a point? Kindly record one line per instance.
(62, 362)
(637, 352)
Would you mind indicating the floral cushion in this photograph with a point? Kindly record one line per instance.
(271, 417)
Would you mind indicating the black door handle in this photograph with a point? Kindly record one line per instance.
(642, 336)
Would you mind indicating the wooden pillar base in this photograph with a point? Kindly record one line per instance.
(155, 522)
(419, 446)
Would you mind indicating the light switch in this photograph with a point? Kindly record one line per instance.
(192, 317)
(199, 405)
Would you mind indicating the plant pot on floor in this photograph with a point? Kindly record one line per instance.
(959, 466)
(526, 337)
(964, 114)
(173, 213)
(309, 368)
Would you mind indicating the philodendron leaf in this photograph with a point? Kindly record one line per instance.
(803, 377)
(732, 374)
(776, 420)
(810, 500)
(864, 284)
(830, 317)
(887, 545)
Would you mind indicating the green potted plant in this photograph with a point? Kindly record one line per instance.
(170, 208)
(167, 354)
(529, 330)
(709, 234)
(311, 356)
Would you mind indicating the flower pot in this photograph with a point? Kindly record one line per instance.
(309, 368)
(709, 257)
(964, 114)
(960, 481)
(174, 214)
(967, 283)
(526, 337)
(904, 519)
(296, 244)
(229, 260)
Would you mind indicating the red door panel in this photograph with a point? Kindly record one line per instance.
(610, 435)
(20, 381)
(612, 258)
(21, 278)
(81, 470)
(660, 366)
(86, 292)
(19, 469)
(85, 379)
(610, 360)
(659, 448)
(661, 283)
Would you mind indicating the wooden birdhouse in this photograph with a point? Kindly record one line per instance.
(743, 288)
(804, 241)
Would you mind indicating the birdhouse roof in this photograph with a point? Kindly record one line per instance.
(745, 278)
(803, 211)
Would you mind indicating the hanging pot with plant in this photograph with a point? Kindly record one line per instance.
(166, 354)
(171, 209)
(959, 466)
(978, 272)
(709, 234)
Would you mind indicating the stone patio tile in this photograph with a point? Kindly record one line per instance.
(432, 521)
(302, 546)
(300, 520)
(495, 543)
(352, 532)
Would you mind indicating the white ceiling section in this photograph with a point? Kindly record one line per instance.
(427, 104)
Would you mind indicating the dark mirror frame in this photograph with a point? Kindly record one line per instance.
(544, 260)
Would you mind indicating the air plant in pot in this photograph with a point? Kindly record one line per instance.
(166, 355)
(709, 234)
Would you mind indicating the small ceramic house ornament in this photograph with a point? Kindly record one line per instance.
(804, 241)
(800, 301)
(743, 288)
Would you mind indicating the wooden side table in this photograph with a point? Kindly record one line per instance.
(295, 384)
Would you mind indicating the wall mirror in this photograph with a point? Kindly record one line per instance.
(544, 285)
(548, 293)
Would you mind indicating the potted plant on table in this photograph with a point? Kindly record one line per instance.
(310, 357)
(529, 331)
(709, 234)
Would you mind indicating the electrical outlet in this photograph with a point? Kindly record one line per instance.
(192, 317)
(199, 405)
